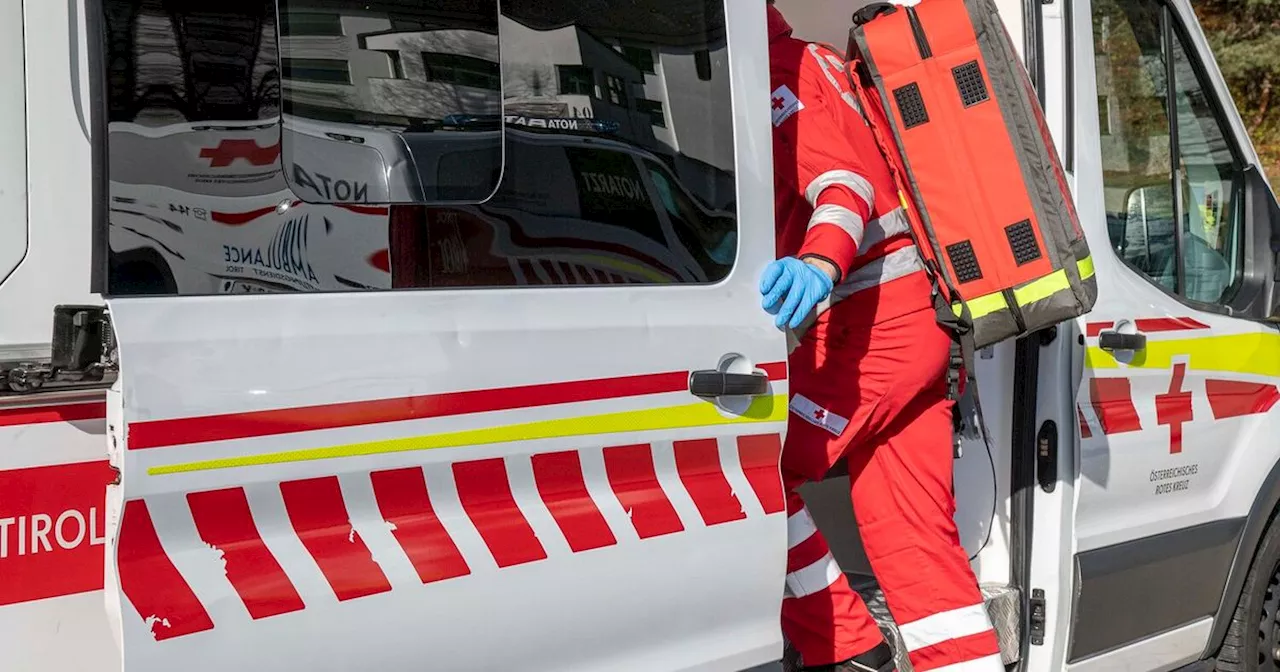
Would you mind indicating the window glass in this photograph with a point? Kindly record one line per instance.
(1176, 220)
(244, 162)
(1212, 216)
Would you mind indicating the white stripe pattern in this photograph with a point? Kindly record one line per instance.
(800, 526)
(841, 178)
(814, 578)
(938, 628)
(826, 64)
(990, 663)
(883, 227)
(890, 267)
(840, 216)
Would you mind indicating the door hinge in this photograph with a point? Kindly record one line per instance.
(1038, 609)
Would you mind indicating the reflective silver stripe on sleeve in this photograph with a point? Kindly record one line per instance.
(840, 216)
(825, 64)
(841, 178)
(890, 267)
(887, 225)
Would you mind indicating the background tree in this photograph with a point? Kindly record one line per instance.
(1245, 35)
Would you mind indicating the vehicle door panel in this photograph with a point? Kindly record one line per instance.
(457, 479)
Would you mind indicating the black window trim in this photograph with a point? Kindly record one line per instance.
(1171, 29)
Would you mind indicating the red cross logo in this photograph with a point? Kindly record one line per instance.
(778, 102)
(820, 414)
(228, 151)
(1174, 408)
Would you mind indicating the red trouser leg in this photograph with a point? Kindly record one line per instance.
(822, 616)
(878, 398)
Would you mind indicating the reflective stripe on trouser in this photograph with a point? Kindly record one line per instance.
(892, 423)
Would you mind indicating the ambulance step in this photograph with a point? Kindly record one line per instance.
(1003, 604)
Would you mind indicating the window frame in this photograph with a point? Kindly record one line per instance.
(561, 79)
(1172, 29)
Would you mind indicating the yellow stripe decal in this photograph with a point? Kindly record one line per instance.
(1036, 290)
(1254, 354)
(703, 414)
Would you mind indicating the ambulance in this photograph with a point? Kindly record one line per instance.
(389, 335)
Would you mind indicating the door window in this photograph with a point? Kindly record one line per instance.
(411, 146)
(1172, 181)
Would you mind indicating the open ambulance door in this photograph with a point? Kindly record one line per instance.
(570, 464)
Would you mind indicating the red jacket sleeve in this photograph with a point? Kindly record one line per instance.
(817, 162)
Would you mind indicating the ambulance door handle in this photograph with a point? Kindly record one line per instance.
(1111, 341)
(712, 384)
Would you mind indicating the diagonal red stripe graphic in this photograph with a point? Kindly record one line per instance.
(634, 480)
(486, 496)
(1231, 398)
(759, 455)
(224, 521)
(563, 489)
(151, 582)
(1085, 432)
(1112, 402)
(319, 516)
(404, 503)
(698, 463)
(180, 431)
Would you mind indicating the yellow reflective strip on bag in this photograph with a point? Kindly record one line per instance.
(981, 306)
(1086, 267)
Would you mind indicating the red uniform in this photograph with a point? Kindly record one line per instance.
(868, 383)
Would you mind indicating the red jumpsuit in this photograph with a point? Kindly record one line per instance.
(868, 385)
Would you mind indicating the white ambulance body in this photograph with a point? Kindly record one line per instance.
(487, 248)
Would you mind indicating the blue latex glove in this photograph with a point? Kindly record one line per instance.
(803, 286)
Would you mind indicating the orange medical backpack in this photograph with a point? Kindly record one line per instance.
(956, 116)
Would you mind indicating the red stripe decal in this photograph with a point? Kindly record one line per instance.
(403, 501)
(319, 516)
(240, 218)
(224, 521)
(759, 455)
(364, 209)
(1231, 399)
(151, 582)
(635, 483)
(563, 489)
(1092, 329)
(36, 415)
(698, 463)
(52, 530)
(486, 496)
(158, 433)
(1085, 432)
(1156, 324)
(775, 370)
(1112, 402)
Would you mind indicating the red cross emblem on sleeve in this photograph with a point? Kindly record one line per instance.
(778, 102)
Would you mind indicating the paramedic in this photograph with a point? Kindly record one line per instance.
(868, 385)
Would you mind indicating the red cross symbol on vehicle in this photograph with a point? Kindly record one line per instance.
(1174, 408)
(778, 102)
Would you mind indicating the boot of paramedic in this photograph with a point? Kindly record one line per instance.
(868, 385)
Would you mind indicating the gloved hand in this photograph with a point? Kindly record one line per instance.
(803, 286)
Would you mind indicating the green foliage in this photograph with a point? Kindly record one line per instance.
(1245, 36)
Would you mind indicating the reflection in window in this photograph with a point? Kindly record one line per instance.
(640, 57)
(577, 80)
(652, 108)
(462, 71)
(1178, 221)
(617, 90)
(243, 161)
(326, 70)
